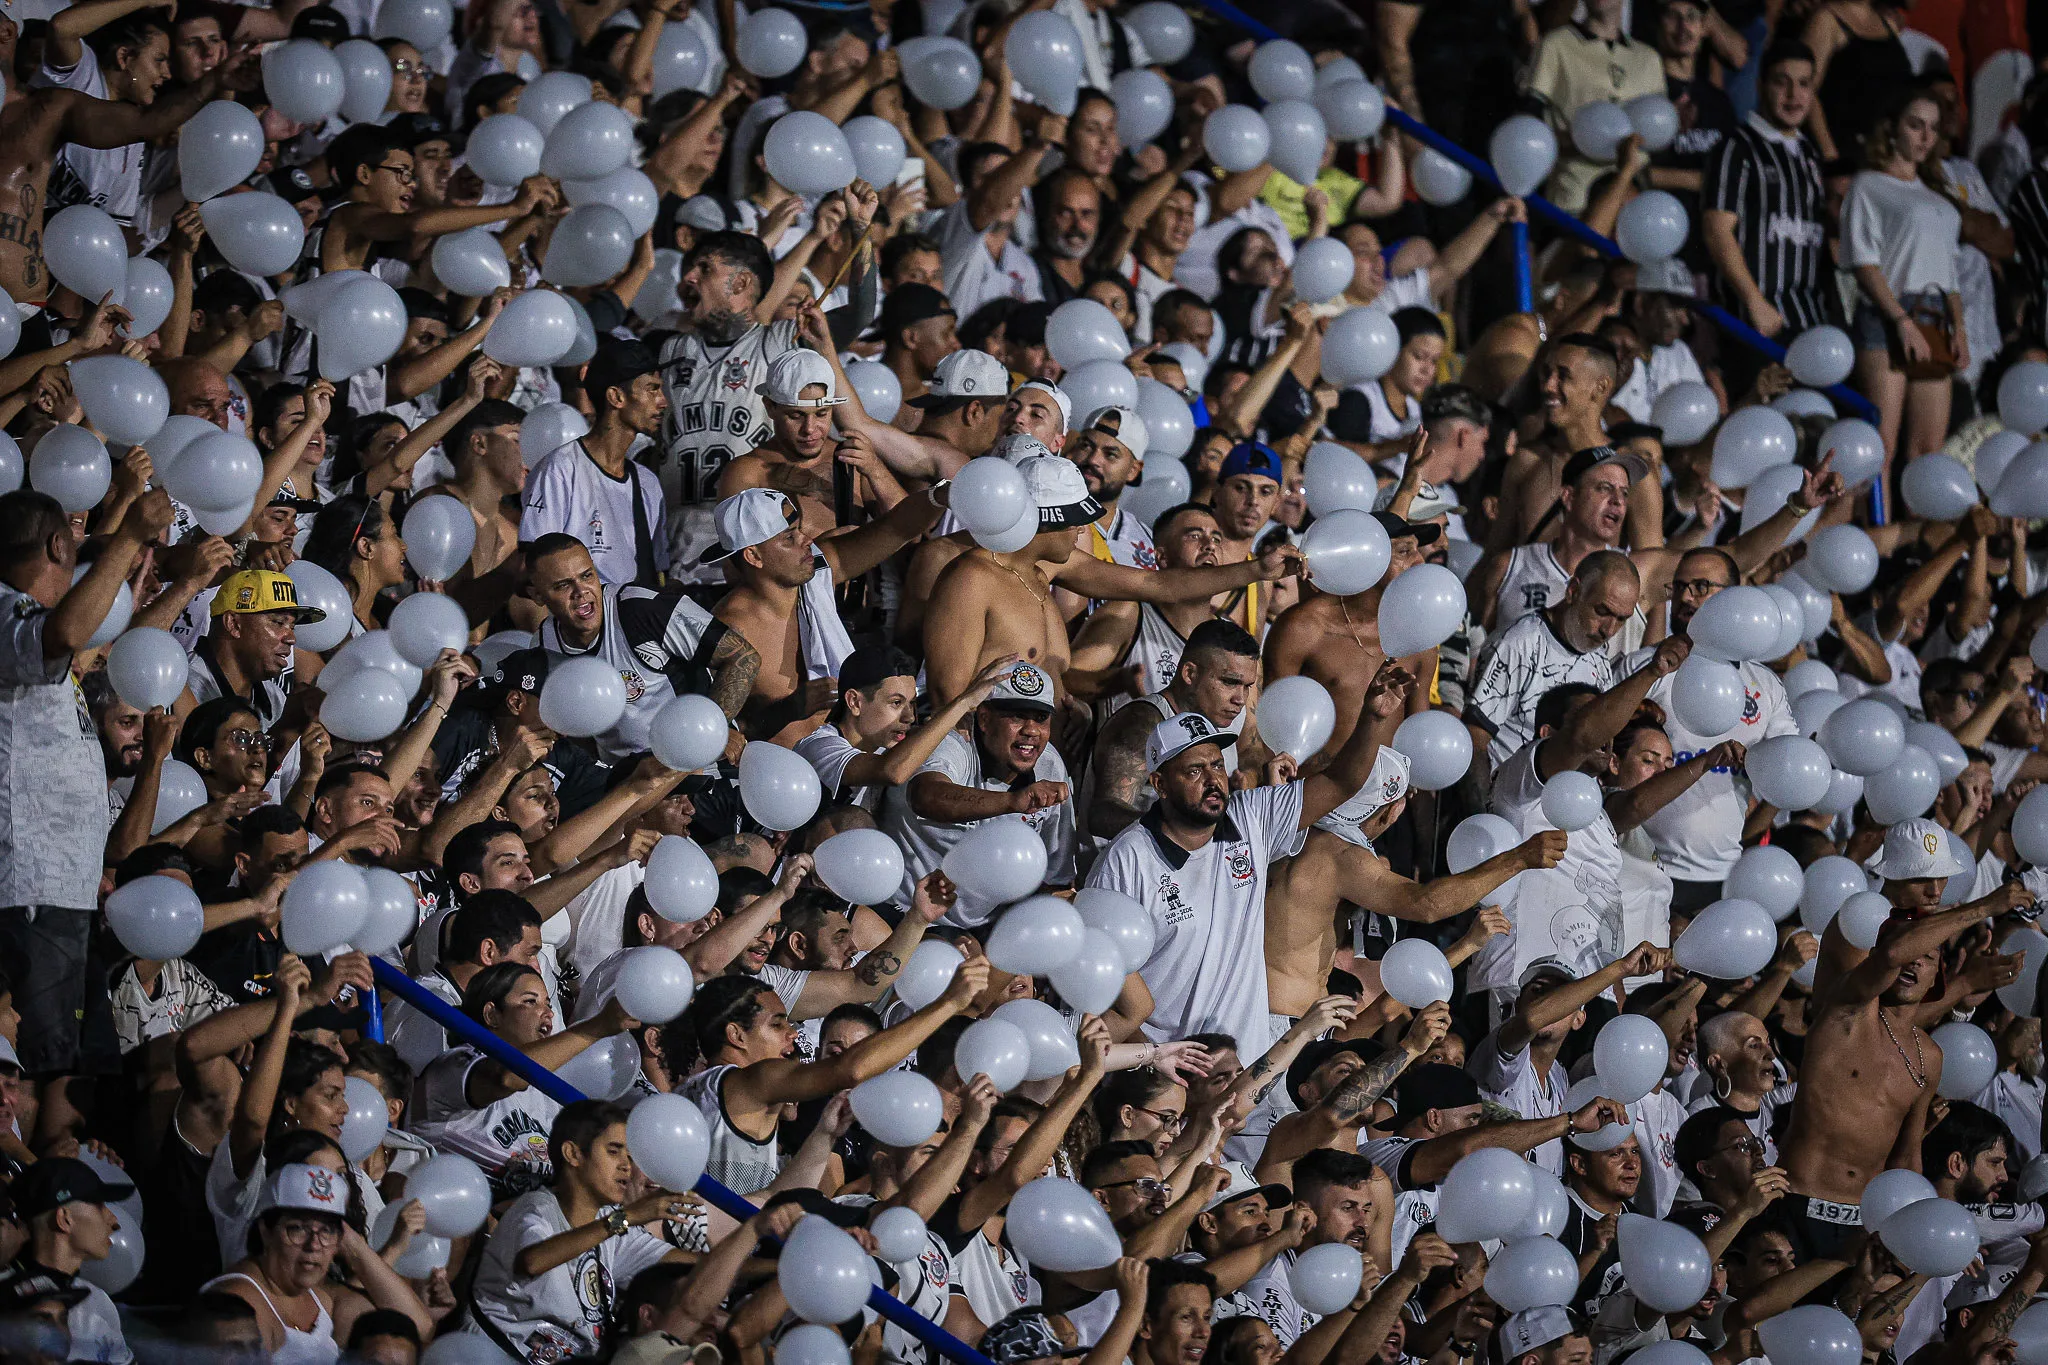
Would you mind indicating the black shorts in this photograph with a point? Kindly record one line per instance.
(1823, 1228)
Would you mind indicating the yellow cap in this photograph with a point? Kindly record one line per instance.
(250, 591)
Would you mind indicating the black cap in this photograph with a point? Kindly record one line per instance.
(1026, 324)
(284, 497)
(615, 366)
(292, 184)
(56, 1181)
(1425, 532)
(909, 304)
(322, 22)
(23, 1289)
(867, 667)
(1315, 1054)
(523, 670)
(1584, 461)
(418, 128)
(818, 1202)
(1434, 1086)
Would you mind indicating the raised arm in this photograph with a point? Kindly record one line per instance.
(1379, 710)
(1086, 576)
(1034, 1151)
(1463, 251)
(1593, 726)
(1568, 998)
(1015, 175)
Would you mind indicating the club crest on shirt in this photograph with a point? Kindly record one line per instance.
(1239, 859)
(636, 686)
(1752, 706)
(736, 375)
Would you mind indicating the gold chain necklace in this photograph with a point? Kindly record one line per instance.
(1357, 639)
(1044, 598)
(1921, 1079)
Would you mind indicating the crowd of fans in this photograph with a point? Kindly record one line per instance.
(916, 609)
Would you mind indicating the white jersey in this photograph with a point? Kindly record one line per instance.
(616, 519)
(1155, 648)
(714, 414)
(924, 1284)
(660, 642)
(565, 1312)
(508, 1137)
(1699, 834)
(109, 179)
(925, 843)
(2018, 1101)
(1512, 1080)
(1208, 909)
(741, 1163)
(1571, 912)
(1534, 580)
(1271, 1294)
(1655, 1120)
(829, 751)
(1518, 666)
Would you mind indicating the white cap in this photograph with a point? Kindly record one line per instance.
(1386, 784)
(1019, 446)
(965, 374)
(301, 1186)
(1060, 490)
(1242, 1183)
(1532, 1329)
(1028, 685)
(1120, 424)
(1059, 396)
(1917, 849)
(1430, 501)
(1177, 734)
(1668, 276)
(790, 373)
(749, 517)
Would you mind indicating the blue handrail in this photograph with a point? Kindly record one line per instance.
(1557, 217)
(555, 1088)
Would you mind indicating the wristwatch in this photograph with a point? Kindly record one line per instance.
(616, 1222)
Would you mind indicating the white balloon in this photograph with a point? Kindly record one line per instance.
(1416, 973)
(823, 1272)
(1532, 1272)
(1994, 455)
(1969, 1059)
(655, 984)
(1477, 839)
(680, 61)
(216, 472)
(1857, 448)
(1841, 559)
(1236, 138)
(1296, 716)
(1438, 748)
(1281, 70)
(1804, 403)
(365, 80)
(1296, 137)
(1735, 624)
(1863, 737)
(323, 907)
(1485, 1197)
(147, 667)
(1667, 1266)
(423, 23)
(1728, 940)
(321, 590)
(118, 616)
(779, 788)
(681, 882)
(1630, 1055)
(1044, 53)
(1122, 919)
(547, 100)
(1081, 330)
(1686, 412)
(605, 1070)
(1597, 128)
(360, 328)
(471, 263)
(1938, 487)
(1889, 1191)
(1769, 876)
(1056, 1224)
(394, 911)
(1571, 800)
(1438, 179)
(1144, 105)
(1360, 346)
(505, 149)
(116, 1270)
(1654, 119)
(771, 42)
(1420, 609)
(1820, 356)
(590, 142)
(1904, 789)
(583, 696)
(1811, 1334)
(1164, 29)
(426, 623)
(861, 866)
(257, 232)
(71, 465)
(1932, 1237)
(1098, 384)
(1352, 110)
(1829, 882)
(1325, 1279)
(1046, 1033)
(156, 918)
(1347, 549)
(11, 464)
(811, 1343)
(945, 76)
(1035, 936)
(989, 494)
(369, 1118)
(591, 244)
(900, 1235)
(86, 253)
(218, 148)
(1768, 492)
(997, 860)
(995, 1049)
(1651, 227)
(927, 974)
(303, 80)
(1522, 150)
(1749, 442)
(1548, 1212)
(1095, 978)
(2023, 397)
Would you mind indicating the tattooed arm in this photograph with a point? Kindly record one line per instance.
(734, 666)
(865, 981)
(1256, 1081)
(1995, 1320)
(1347, 1105)
(1121, 776)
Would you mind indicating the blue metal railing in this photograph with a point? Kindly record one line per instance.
(555, 1088)
(1843, 395)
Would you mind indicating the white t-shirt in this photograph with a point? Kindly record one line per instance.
(925, 843)
(1655, 1119)
(111, 179)
(508, 1137)
(1905, 229)
(418, 1038)
(1518, 666)
(1207, 972)
(828, 750)
(1385, 425)
(1652, 375)
(598, 917)
(1271, 1293)
(566, 1311)
(566, 491)
(1571, 912)
(1699, 834)
(973, 277)
(1512, 1081)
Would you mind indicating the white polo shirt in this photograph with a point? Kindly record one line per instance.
(1207, 972)
(1699, 833)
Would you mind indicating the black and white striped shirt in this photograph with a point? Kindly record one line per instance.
(1770, 181)
(2028, 209)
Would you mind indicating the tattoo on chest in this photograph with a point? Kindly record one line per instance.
(16, 229)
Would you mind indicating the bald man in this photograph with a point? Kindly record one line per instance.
(1566, 643)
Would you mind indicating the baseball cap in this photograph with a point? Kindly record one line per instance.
(284, 497)
(1019, 446)
(749, 517)
(866, 668)
(521, 670)
(1120, 424)
(1242, 1183)
(1250, 457)
(1592, 457)
(1434, 1086)
(56, 1181)
(323, 22)
(1668, 276)
(1543, 968)
(615, 366)
(962, 376)
(1059, 395)
(292, 184)
(1384, 785)
(23, 1289)
(1026, 1334)
(314, 1189)
(1430, 500)
(417, 128)
(1425, 533)
(1028, 688)
(250, 592)
(909, 304)
(1177, 734)
(1916, 849)
(1060, 491)
(790, 373)
(1532, 1329)
(1311, 1058)
(702, 212)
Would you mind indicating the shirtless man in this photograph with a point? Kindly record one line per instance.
(1213, 677)
(784, 608)
(1135, 648)
(1870, 1071)
(1336, 640)
(1580, 375)
(799, 460)
(989, 603)
(489, 476)
(35, 123)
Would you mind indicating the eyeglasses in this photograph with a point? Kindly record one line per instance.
(1697, 587)
(1170, 1121)
(309, 1234)
(246, 739)
(1748, 1146)
(403, 173)
(1145, 1185)
(406, 71)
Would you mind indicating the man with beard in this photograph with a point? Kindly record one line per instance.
(1069, 220)
(799, 463)
(248, 651)
(711, 374)
(1149, 264)
(988, 603)
(1337, 1188)
(591, 490)
(1870, 1072)
(1199, 860)
(783, 605)
(1110, 450)
(1214, 670)
(1336, 640)
(1561, 644)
